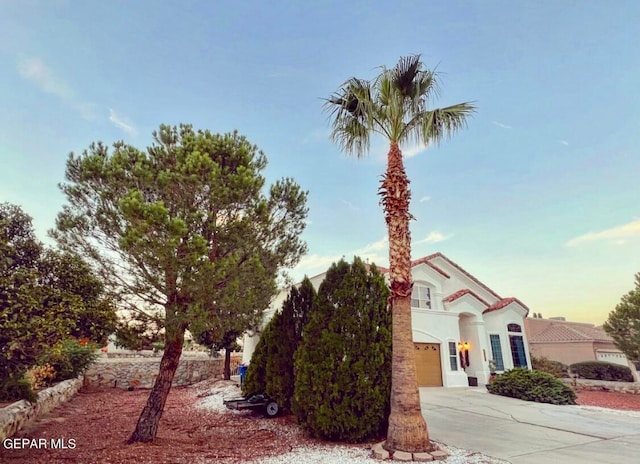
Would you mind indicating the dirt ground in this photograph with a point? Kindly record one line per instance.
(100, 422)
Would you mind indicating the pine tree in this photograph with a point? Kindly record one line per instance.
(623, 323)
(343, 365)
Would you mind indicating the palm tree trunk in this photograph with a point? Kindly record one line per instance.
(407, 428)
(149, 419)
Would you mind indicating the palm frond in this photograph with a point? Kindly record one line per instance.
(436, 124)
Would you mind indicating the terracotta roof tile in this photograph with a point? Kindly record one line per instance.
(503, 303)
(570, 332)
(460, 294)
(425, 260)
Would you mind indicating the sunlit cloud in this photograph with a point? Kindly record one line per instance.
(414, 151)
(122, 122)
(500, 125)
(424, 199)
(433, 237)
(616, 234)
(564, 142)
(313, 264)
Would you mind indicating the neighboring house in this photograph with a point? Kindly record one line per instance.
(571, 342)
(452, 309)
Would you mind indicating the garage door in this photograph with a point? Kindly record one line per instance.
(428, 365)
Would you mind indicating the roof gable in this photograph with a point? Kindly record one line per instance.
(460, 294)
(457, 267)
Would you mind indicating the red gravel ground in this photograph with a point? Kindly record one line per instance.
(100, 422)
(613, 400)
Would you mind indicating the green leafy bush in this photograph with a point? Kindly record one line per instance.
(343, 365)
(69, 358)
(14, 389)
(600, 370)
(555, 368)
(537, 386)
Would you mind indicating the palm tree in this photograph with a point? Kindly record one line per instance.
(394, 105)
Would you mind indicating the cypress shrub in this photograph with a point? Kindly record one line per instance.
(287, 334)
(600, 370)
(343, 365)
(271, 370)
(537, 386)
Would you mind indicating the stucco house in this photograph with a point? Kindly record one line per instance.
(571, 342)
(459, 325)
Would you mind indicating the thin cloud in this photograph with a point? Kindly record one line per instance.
(424, 199)
(564, 142)
(616, 234)
(433, 237)
(313, 264)
(34, 70)
(414, 151)
(501, 125)
(350, 205)
(122, 122)
(42, 76)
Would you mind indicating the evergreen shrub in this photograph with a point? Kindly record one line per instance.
(555, 368)
(271, 370)
(600, 370)
(343, 365)
(531, 385)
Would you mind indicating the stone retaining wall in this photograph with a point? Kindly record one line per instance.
(15, 416)
(603, 385)
(142, 372)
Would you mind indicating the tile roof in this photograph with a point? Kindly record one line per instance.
(561, 332)
(460, 294)
(503, 303)
(425, 260)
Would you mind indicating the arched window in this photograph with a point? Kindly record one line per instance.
(517, 345)
(421, 297)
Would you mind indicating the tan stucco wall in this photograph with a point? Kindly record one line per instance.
(567, 353)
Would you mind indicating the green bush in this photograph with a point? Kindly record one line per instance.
(343, 365)
(15, 389)
(271, 369)
(600, 370)
(537, 386)
(555, 368)
(69, 358)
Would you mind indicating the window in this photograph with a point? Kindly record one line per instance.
(496, 351)
(453, 356)
(517, 346)
(421, 297)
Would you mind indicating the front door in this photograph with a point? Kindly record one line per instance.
(428, 365)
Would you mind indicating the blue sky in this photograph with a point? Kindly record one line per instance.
(538, 198)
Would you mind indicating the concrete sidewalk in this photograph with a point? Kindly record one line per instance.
(524, 432)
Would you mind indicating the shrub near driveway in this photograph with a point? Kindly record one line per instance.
(600, 370)
(535, 386)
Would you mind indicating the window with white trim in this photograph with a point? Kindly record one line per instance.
(496, 351)
(421, 297)
(453, 356)
(516, 343)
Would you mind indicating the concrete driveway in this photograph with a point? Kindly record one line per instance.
(524, 432)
